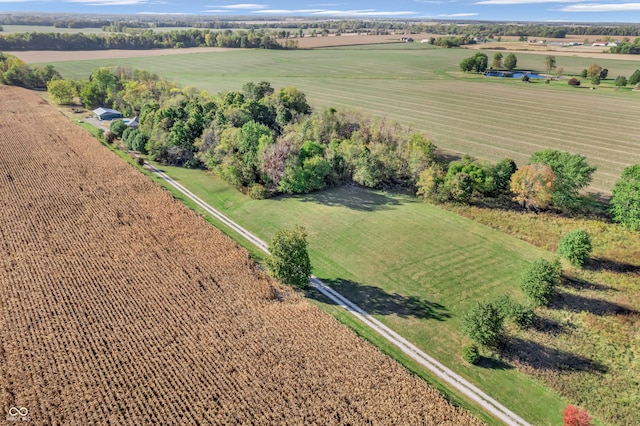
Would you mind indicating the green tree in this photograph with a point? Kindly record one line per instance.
(471, 354)
(61, 92)
(625, 202)
(483, 324)
(289, 260)
(604, 73)
(510, 62)
(575, 246)
(502, 172)
(497, 60)
(634, 78)
(572, 173)
(430, 183)
(550, 63)
(540, 280)
(118, 127)
(584, 73)
(467, 64)
(620, 81)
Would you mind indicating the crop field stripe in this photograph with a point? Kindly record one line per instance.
(446, 374)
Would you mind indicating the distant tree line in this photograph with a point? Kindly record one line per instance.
(143, 40)
(627, 47)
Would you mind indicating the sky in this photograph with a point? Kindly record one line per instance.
(483, 10)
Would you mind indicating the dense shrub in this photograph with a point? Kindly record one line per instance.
(540, 280)
(574, 416)
(118, 127)
(483, 324)
(258, 192)
(289, 260)
(521, 315)
(574, 82)
(109, 137)
(575, 247)
(625, 202)
(471, 354)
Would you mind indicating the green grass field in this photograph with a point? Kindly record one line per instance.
(414, 266)
(422, 87)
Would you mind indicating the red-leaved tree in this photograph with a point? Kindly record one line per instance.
(574, 416)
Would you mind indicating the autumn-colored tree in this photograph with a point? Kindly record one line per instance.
(533, 185)
(594, 69)
(574, 416)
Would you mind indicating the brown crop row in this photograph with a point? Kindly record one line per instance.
(121, 306)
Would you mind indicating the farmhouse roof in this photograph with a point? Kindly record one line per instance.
(101, 110)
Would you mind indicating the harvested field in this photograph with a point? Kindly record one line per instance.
(91, 55)
(121, 306)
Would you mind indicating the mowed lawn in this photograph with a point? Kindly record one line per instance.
(414, 266)
(489, 118)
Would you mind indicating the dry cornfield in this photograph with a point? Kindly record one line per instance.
(118, 305)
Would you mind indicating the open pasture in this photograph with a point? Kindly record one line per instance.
(121, 306)
(422, 87)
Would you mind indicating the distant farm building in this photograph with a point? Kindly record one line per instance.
(599, 44)
(107, 113)
(133, 123)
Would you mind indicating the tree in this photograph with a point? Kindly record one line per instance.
(467, 64)
(604, 73)
(574, 82)
(574, 416)
(595, 80)
(594, 69)
(533, 186)
(634, 78)
(540, 280)
(550, 63)
(497, 60)
(575, 247)
(483, 324)
(429, 184)
(502, 172)
(625, 202)
(572, 173)
(510, 62)
(118, 127)
(584, 73)
(620, 81)
(461, 187)
(61, 92)
(289, 260)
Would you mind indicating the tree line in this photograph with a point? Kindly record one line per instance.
(143, 40)
(266, 142)
(16, 72)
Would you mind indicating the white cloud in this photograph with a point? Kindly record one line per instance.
(618, 7)
(115, 2)
(216, 11)
(243, 6)
(336, 13)
(458, 15)
(504, 2)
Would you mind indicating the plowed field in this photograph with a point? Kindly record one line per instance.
(120, 306)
